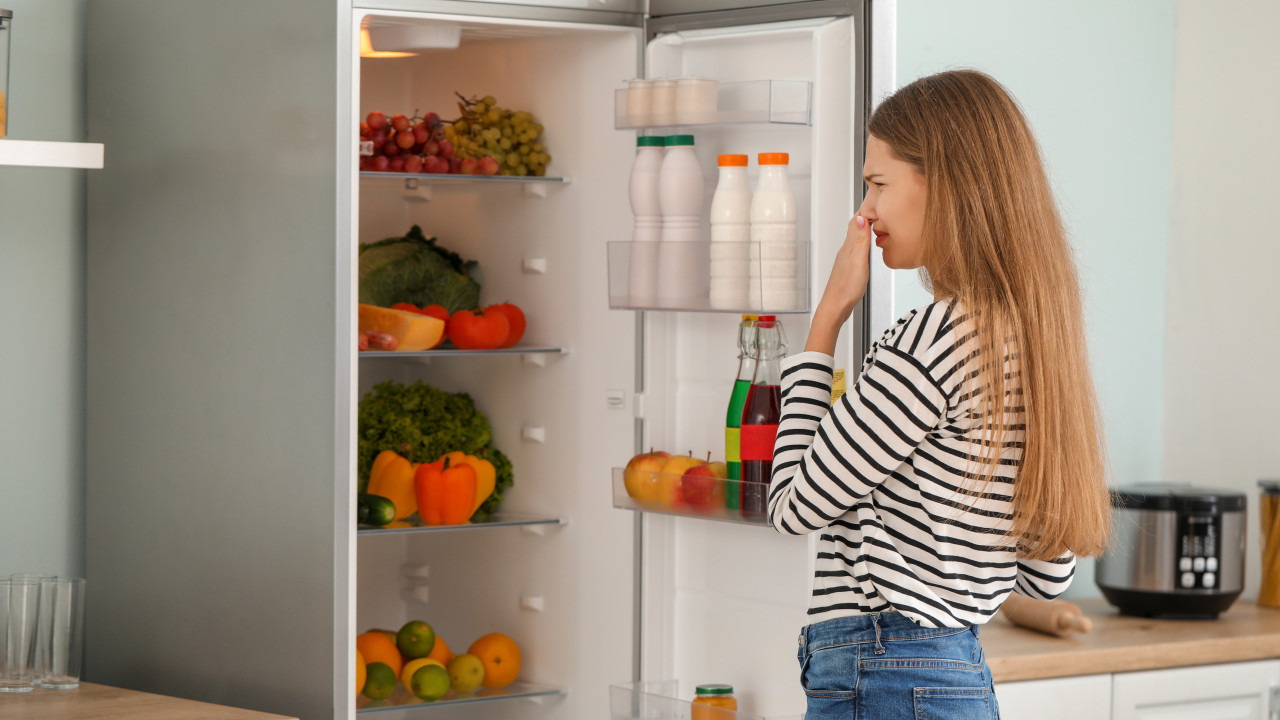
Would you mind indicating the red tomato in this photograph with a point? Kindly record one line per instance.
(515, 319)
(478, 330)
(438, 312)
(406, 306)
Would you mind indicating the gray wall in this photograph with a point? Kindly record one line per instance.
(1096, 80)
(42, 293)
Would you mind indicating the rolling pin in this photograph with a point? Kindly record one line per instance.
(1058, 617)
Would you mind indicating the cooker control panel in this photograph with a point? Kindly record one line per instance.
(1198, 552)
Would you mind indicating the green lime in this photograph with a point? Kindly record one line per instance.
(415, 639)
(381, 681)
(430, 682)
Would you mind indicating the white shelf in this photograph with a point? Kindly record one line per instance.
(38, 153)
(754, 102)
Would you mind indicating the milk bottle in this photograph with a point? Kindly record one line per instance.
(682, 269)
(730, 235)
(773, 237)
(642, 283)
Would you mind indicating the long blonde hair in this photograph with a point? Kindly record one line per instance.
(993, 241)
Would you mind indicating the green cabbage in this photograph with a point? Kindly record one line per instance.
(414, 269)
(422, 423)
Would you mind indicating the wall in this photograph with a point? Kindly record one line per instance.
(1222, 404)
(1103, 120)
(42, 272)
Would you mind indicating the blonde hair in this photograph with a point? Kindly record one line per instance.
(993, 240)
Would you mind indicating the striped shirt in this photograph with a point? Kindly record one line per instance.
(884, 475)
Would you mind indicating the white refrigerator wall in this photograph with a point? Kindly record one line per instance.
(724, 603)
(583, 572)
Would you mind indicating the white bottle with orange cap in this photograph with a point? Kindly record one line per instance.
(730, 235)
(773, 251)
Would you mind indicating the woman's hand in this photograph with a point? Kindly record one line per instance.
(845, 287)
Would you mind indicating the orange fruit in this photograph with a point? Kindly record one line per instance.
(362, 672)
(501, 658)
(375, 646)
(440, 651)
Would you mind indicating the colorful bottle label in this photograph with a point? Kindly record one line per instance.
(732, 436)
(757, 442)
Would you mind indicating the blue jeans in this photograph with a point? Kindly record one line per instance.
(882, 666)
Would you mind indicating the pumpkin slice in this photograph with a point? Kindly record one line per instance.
(413, 330)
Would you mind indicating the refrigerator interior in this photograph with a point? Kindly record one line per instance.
(482, 580)
(724, 603)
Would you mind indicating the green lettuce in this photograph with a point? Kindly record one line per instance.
(414, 269)
(422, 423)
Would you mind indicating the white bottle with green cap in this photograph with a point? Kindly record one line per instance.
(682, 272)
(642, 281)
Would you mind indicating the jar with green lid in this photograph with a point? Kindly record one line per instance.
(714, 702)
(6, 24)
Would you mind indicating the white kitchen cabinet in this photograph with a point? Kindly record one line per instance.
(1234, 691)
(1231, 691)
(1068, 698)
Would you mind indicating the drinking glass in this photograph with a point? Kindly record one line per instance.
(62, 634)
(21, 606)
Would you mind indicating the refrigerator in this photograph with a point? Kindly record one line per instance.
(223, 554)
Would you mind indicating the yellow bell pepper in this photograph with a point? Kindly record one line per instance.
(486, 475)
(392, 478)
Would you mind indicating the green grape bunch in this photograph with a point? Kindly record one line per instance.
(512, 138)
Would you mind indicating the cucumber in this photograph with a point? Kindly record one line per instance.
(375, 510)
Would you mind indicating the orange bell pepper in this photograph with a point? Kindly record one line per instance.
(486, 475)
(458, 500)
(428, 489)
(392, 477)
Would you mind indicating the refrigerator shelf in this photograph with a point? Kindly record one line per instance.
(662, 700)
(457, 179)
(498, 520)
(677, 276)
(650, 486)
(456, 352)
(40, 153)
(753, 102)
(402, 699)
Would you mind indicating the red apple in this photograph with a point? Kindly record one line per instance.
(703, 485)
(641, 476)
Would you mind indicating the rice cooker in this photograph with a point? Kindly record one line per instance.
(1176, 551)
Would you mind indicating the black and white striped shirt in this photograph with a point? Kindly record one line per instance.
(882, 476)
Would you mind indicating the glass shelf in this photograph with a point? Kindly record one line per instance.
(40, 153)
(647, 489)
(662, 700)
(772, 102)
(498, 520)
(458, 179)
(678, 276)
(402, 699)
(455, 352)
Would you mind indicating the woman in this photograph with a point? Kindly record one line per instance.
(966, 462)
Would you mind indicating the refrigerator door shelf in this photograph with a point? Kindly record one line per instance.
(772, 102)
(649, 486)
(402, 699)
(768, 278)
(499, 520)
(662, 699)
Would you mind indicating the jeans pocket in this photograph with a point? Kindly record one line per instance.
(954, 703)
(830, 672)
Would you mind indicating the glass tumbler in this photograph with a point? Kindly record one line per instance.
(1269, 511)
(6, 23)
(19, 609)
(62, 633)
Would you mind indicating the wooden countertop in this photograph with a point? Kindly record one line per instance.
(102, 702)
(1119, 643)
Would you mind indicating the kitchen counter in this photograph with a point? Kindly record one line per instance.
(1120, 643)
(101, 702)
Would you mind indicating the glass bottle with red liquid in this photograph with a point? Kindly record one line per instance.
(760, 418)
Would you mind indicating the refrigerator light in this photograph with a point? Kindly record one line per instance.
(367, 51)
(436, 35)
